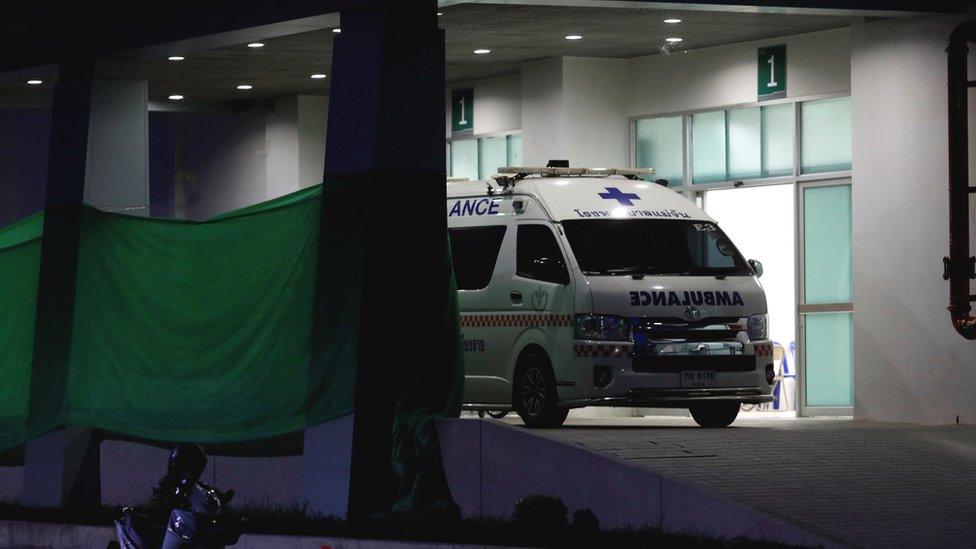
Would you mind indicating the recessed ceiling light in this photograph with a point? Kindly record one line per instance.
(337, 30)
(574, 37)
(256, 45)
(672, 40)
(34, 82)
(176, 97)
(482, 51)
(317, 76)
(672, 20)
(175, 58)
(244, 86)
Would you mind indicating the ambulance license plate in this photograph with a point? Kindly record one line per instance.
(693, 379)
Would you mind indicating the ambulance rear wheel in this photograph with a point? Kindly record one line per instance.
(715, 414)
(534, 392)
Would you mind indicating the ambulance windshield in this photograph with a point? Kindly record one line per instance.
(653, 247)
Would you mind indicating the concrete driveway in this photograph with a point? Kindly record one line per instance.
(860, 484)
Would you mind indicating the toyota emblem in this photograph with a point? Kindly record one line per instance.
(692, 313)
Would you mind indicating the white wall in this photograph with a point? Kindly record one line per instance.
(578, 108)
(271, 150)
(567, 108)
(25, 136)
(281, 135)
(234, 173)
(910, 365)
(497, 104)
(721, 76)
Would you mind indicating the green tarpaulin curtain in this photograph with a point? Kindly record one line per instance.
(20, 259)
(197, 331)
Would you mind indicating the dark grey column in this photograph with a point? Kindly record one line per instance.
(49, 471)
(99, 150)
(383, 230)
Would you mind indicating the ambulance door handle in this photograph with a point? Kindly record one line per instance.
(516, 297)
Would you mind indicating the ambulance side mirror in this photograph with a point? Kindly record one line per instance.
(756, 267)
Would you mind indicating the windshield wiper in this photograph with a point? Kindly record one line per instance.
(723, 272)
(640, 271)
(620, 271)
(611, 272)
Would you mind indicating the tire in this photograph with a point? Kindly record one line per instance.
(715, 414)
(534, 392)
(497, 414)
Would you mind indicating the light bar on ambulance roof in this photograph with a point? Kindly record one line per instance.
(627, 172)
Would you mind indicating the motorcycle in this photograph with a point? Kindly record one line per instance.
(196, 519)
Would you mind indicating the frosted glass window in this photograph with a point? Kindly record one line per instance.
(464, 158)
(659, 146)
(494, 154)
(514, 150)
(825, 135)
(744, 150)
(777, 140)
(827, 244)
(708, 147)
(828, 358)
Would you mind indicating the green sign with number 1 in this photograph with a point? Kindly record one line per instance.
(772, 72)
(462, 110)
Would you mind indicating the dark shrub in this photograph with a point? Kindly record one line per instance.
(585, 526)
(542, 519)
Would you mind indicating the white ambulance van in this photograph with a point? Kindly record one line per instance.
(590, 287)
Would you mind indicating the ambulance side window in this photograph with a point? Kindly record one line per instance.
(475, 250)
(538, 255)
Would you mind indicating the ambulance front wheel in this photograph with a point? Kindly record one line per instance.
(715, 414)
(534, 392)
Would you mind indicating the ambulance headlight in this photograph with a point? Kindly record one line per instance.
(757, 327)
(602, 327)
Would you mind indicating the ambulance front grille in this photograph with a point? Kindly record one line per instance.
(681, 331)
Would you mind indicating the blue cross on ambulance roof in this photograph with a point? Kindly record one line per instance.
(613, 193)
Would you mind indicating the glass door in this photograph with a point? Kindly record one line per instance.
(825, 305)
(760, 221)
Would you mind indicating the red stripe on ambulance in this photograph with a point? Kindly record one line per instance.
(517, 320)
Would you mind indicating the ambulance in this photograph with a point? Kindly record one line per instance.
(593, 287)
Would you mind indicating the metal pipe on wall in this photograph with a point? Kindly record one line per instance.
(960, 267)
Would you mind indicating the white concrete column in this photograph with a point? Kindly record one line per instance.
(313, 121)
(62, 468)
(574, 108)
(910, 365)
(117, 172)
(326, 466)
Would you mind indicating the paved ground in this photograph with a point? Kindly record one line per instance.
(861, 484)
